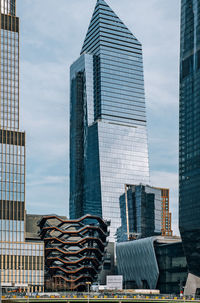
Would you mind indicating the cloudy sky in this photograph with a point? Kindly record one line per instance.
(52, 33)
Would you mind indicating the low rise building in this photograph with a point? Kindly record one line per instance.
(153, 263)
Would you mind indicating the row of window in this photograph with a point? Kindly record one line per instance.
(8, 110)
(12, 195)
(9, 115)
(12, 237)
(6, 81)
(9, 60)
(109, 23)
(11, 159)
(12, 186)
(11, 56)
(10, 125)
(10, 92)
(6, 32)
(8, 40)
(9, 71)
(14, 138)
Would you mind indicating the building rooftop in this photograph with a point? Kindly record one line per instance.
(32, 228)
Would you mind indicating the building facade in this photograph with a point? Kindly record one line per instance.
(172, 266)
(153, 263)
(21, 264)
(141, 212)
(189, 148)
(108, 135)
(166, 221)
(144, 212)
(166, 214)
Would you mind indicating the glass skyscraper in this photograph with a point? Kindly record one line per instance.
(189, 157)
(21, 263)
(108, 135)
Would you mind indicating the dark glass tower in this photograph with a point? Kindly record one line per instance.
(108, 137)
(189, 158)
(141, 213)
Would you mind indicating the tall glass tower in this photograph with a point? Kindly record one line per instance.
(21, 263)
(189, 152)
(108, 135)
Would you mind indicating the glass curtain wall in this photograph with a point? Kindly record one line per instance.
(108, 135)
(141, 213)
(189, 148)
(15, 267)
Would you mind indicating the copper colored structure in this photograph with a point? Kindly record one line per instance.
(166, 215)
(74, 250)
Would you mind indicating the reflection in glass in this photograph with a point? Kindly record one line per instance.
(108, 136)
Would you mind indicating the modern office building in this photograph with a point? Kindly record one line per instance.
(189, 132)
(21, 264)
(141, 212)
(144, 213)
(108, 135)
(153, 263)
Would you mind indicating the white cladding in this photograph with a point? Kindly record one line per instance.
(114, 282)
(6, 6)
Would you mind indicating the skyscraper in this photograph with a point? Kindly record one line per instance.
(21, 263)
(108, 136)
(189, 152)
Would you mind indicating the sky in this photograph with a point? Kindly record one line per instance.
(51, 36)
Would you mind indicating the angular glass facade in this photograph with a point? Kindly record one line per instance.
(189, 152)
(108, 136)
(21, 263)
(141, 212)
(137, 263)
(153, 263)
(172, 267)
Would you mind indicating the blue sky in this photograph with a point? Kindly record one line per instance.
(52, 33)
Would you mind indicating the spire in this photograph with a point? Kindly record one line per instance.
(105, 26)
